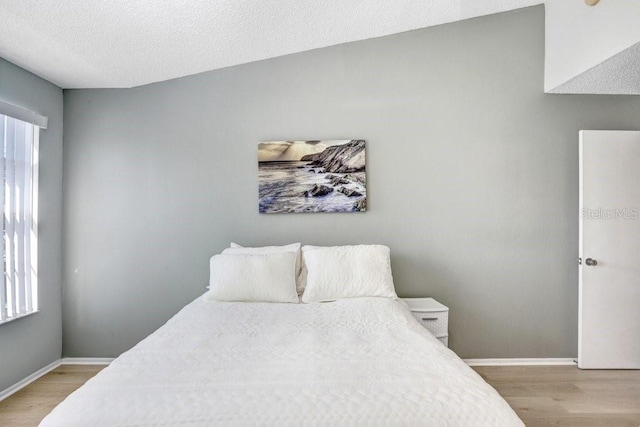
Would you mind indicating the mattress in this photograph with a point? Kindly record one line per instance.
(360, 361)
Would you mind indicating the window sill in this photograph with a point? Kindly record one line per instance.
(5, 321)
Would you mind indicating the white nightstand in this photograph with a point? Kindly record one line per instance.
(432, 315)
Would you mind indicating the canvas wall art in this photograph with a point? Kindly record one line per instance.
(312, 176)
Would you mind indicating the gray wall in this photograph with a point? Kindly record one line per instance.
(33, 342)
(472, 178)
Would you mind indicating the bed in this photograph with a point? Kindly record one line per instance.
(360, 360)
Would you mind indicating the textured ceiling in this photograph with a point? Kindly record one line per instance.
(124, 43)
(592, 49)
(618, 75)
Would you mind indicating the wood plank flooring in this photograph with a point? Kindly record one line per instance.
(29, 406)
(541, 395)
(568, 396)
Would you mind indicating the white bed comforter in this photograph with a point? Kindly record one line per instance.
(363, 361)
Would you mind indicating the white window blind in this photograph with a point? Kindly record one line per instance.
(19, 192)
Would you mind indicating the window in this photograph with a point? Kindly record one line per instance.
(19, 193)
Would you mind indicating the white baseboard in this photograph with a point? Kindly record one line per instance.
(520, 362)
(106, 360)
(50, 367)
(28, 380)
(86, 360)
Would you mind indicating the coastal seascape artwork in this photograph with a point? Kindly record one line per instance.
(312, 176)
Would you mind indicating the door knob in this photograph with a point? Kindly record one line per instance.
(591, 262)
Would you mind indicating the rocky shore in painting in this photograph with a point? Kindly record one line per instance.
(332, 180)
(349, 157)
(343, 184)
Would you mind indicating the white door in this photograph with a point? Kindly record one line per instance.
(609, 324)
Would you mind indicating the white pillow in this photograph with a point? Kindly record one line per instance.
(293, 247)
(253, 277)
(235, 248)
(302, 277)
(347, 272)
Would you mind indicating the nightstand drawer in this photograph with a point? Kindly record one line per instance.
(432, 315)
(436, 322)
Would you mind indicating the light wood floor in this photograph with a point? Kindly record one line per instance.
(568, 396)
(30, 405)
(541, 395)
